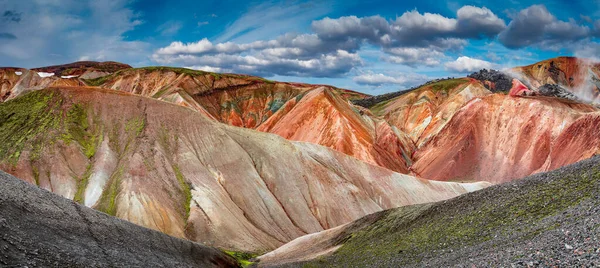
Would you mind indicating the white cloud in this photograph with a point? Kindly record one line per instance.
(466, 64)
(412, 56)
(208, 69)
(169, 28)
(272, 18)
(379, 79)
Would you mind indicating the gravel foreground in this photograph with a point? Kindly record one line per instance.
(41, 229)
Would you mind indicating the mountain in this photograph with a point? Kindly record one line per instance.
(17, 81)
(577, 76)
(548, 219)
(499, 138)
(40, 229)
(423, 112)
(167, 167)
(238, 100)
(464, 132)
(323, 117)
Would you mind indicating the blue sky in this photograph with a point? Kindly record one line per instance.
(371, 46)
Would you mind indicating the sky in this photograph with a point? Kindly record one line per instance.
(371, 46)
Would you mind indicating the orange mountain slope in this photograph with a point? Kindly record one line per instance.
(423, 112)
(165, 167)
(323, 117)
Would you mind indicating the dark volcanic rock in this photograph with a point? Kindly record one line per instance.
(500, 81)
(554, 90)
(41, 229)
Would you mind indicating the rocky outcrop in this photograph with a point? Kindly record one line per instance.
(165, 167)
(494, 80)
(41, 229)
(548, 219)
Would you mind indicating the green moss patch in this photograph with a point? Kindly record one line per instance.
(243, 258)
(447, 85)
(185, 189)
(28, 120)
(108, 200)
(78, 129)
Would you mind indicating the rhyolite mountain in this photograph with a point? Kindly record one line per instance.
(169, 168)
(247, 164)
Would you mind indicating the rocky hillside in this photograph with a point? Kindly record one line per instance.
(546, 220)
(41, 229)
(192, 177)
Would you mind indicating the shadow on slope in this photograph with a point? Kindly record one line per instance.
(546, 219)
(41, 229)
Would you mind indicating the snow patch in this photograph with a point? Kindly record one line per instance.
(43, 74)
(18, 73)
(68, 76)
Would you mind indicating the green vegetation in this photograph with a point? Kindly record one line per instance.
(243, 258)
(96, 82)
(276, 104)
(80, 131)
(447, 85)
(172, 69)
(33, 116)
(185, 188)
(107, 202)
(135, 126)
(82, 184)
(405, 234)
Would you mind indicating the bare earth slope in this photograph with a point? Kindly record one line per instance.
(546, 220)
(323, 117)
(193, 177)
(423, 112)
(500, 138)
(40, 229)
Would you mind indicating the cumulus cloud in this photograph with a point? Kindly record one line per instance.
(413, 28)
(466, 64)
(413, 39)
(327, 65)
(411, 56)
(379, 79)
(535, 25)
